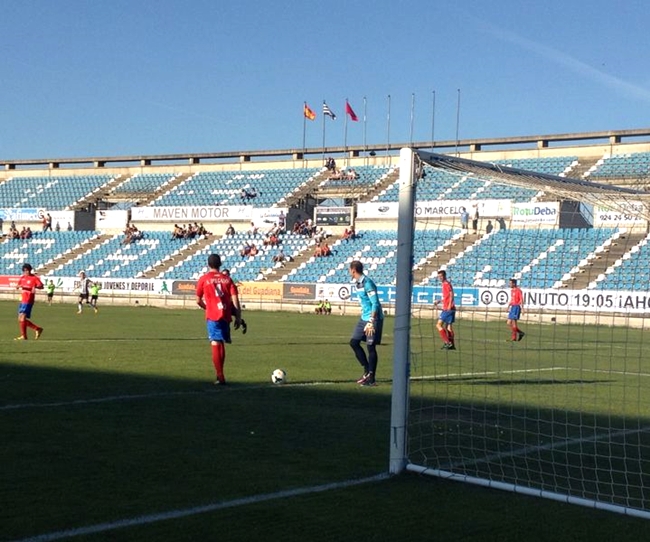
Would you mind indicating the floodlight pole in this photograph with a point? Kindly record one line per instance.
(401, 337)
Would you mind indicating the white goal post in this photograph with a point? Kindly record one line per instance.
(563, 414)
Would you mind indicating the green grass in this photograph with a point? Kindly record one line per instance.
(114, 416)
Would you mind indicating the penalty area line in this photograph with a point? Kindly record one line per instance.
(487, 373)
(138, 396)
(182, 513)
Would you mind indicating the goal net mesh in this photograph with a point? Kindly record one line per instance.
(563, 410)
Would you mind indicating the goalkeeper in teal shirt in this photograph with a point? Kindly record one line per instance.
(370, 325)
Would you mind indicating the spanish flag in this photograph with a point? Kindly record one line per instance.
(308, 112)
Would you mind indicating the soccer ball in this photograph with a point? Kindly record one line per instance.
(278, 376)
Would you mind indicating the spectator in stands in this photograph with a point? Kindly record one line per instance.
(132, 233)
(336, 175)
(318, 251)
(47, 222)
(26, 233)
(202, 231)
(320, 235)
(191, 231)
(253, 230)
(57, 227)
(351, 174)
(245, 250)
(330, 164)
(502, 223)
(230, 230)
(326, 250)
(280, 256)
(254, 250)
(261, 275)
(69, 226)
(464, 218)
(248, 194)
(475, 217)
(349, 234)
(177, 233)
(282, 222)
(489, 227)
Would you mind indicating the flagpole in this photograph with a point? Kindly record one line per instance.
(324, 134)
(433, 119)
(365, 146)
(304, 130)
(457, 121)
(388, 128)
(345, 133)
(412, 115)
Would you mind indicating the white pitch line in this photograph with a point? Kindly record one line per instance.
(546, 447)
(182, 513)
(133, 397)
(487, 373)
(108, 399)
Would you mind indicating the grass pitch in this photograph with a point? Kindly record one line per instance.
(113, 416)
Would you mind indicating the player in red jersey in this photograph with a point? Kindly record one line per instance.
(28, 283)
(514, 311)
(447, 314)
(217, 294)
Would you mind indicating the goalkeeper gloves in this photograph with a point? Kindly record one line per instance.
(369, 329)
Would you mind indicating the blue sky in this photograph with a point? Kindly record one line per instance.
(128, 77)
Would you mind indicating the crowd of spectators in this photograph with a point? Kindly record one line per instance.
(132, 233)
(25, 233)
(189, 231)
(248, 193)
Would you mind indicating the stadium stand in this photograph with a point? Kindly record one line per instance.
(242, 268)
(620, 166)
(541, 263)
(630, 272)
(53, 193)
(271, 187)
(538, 257)
(114, 259)
(42, 249)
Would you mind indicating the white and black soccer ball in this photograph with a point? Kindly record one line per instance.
(278, 376)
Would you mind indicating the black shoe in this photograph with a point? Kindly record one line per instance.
(369, 382)
(446, 346)
(521, 335)
(451, 347)
(220, 382)
(244, 327)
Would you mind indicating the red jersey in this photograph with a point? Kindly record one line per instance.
(29, 284)
(448, 296)
(217, 291)
(516, 296)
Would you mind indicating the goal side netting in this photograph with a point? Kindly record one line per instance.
(558, 404)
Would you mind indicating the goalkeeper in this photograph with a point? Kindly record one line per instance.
(369, 327)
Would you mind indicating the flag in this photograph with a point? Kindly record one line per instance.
(352, 114)
(308, 112)
(327, 111)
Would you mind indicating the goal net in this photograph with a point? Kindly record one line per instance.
(557, 405)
